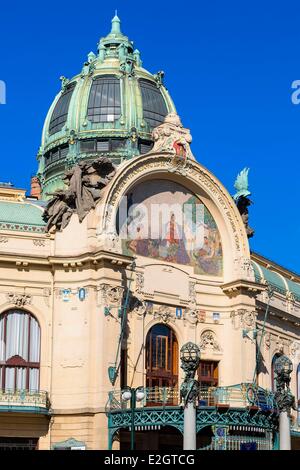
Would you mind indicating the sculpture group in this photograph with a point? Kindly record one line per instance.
(84, 183)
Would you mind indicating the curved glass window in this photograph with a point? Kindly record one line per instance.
(105, 100)
(19, 351)
(154, 106)
(60, 112)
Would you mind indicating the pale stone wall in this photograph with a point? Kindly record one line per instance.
(79, 343)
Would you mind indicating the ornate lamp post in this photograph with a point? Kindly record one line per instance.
(285, 400)
(190, 359)
(133, 395)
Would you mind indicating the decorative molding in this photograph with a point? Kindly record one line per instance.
(39, 242)
(20, 300)
(3, 239)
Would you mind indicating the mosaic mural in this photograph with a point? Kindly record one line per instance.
(163, 220)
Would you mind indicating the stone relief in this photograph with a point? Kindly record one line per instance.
(164, 314)
(20, 300)
(294, 347)
(279, 344)
(138, 306)
(243, 318)
(208, 341)
(191, 315)
(244, 269)
(39, 242)
(267, 340)
(139, 283)
(3, 239)
(173, 138)
(84, 183)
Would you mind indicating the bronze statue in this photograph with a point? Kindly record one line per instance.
(84, 183)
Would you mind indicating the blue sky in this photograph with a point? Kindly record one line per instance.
(228, 65)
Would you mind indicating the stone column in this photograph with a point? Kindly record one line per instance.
(284, 431)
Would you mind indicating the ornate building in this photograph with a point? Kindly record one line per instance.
(126, 249)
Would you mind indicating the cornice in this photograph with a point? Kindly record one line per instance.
(90, 260)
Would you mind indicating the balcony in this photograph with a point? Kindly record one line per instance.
(242, 408)
(244, 395)
(24, 401)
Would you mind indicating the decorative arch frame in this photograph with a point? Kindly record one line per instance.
(200, 181)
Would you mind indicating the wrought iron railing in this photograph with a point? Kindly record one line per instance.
(19, 400)
(237, 443)
(239, 396)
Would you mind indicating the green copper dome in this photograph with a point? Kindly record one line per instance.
(109, 109)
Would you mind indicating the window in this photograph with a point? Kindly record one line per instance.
(56, 154)
(102, 146)
(145, 147)
(19, 351)
(208, 374)
(161, 357)
(60, 112)
(154, 106)
(105, 100)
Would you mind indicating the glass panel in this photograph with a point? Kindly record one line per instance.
(87, 146)
(20, 378)
(103, 146)
(105, 100)
(154, 106)
(60, 112)
(34, 379)
(9, 379)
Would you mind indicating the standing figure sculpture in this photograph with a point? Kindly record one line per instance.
(242, 200)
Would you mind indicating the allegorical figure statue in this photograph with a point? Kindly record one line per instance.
(242, 200)
(84, 183)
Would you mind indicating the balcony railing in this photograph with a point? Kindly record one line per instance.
(236, 396)
(33, 401)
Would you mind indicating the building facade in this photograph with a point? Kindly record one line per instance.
(127, 249)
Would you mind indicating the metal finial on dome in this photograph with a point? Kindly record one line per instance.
(115, 24)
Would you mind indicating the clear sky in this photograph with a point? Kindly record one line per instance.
(229, 66)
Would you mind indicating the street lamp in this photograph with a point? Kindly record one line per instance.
(189, 390)
(133, 395)
(283, 368)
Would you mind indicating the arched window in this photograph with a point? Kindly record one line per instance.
(19, 351)
(161, 357)
(273, 375)
(61, 109)
(105, 99)
(154, 106)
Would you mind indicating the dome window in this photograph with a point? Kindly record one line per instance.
(145, 146)
(105, 100)
(58, 153)
(154, 106)
(60, 112)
